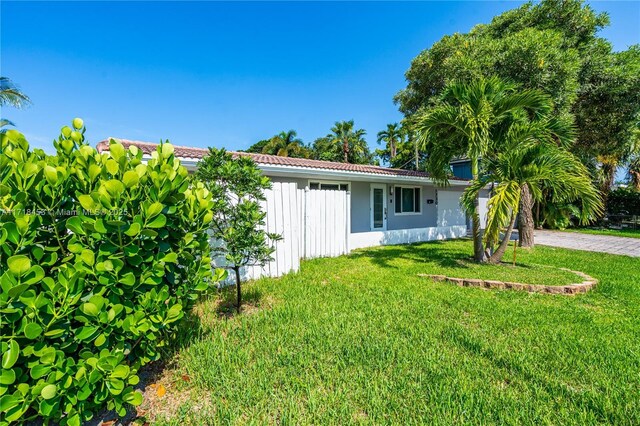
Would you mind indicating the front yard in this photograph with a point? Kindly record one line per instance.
(363, 339)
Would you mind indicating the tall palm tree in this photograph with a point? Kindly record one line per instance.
(526, 162)
(469, 121)
(342, 134)
(392, 137)
(350, 141)
(10, 95)
(284, 144)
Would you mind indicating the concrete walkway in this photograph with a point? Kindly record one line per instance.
(589, 242)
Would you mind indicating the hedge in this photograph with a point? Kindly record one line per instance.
(100, 256)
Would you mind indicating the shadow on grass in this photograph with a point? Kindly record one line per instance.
(226, 307)
(433, 252)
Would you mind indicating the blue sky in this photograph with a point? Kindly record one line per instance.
(228, 74)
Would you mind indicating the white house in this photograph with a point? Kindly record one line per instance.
(360, 205)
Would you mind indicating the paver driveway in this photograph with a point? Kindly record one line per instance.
(588, 242)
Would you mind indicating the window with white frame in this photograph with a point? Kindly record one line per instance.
(328, 184)
(407, 199)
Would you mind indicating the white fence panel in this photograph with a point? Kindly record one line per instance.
(325, 215)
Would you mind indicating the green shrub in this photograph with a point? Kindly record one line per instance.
(624, 201)
(100, 257)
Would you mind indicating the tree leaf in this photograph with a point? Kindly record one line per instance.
(87, 202)
(10, 357)
(51, 174)
(88, 257)
(48, 391)
(130, 179)
(158, 222)
(154, 209)
(18, 264)
(32, 330)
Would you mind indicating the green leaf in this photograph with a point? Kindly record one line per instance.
(87, 202)
(10, 357)
(134, 229)
(7, 377)
(128, 279)
(112, 167)
(33, 275)
(48, 391)
(86, 333)
(39, 370)
(90, 309)
(32, 330)
(88, 257)
(117, 151)
(120, 372)
(167, 150)
(154, 209)
(74, 224)
(158, 222)
(174, 312)
(19, 264)
(94, 171)
(134, 398)
(130, 179)
(7, 402)
(100, 340)
(99, 226)
(51, 174)
(170, 258)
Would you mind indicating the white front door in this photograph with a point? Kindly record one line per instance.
(378, 207)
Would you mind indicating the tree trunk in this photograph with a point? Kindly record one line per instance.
(345, 150)
(238, 289)
(393, 149)
(478, 250)
(525, 224)
(609, 172)
(496, 257)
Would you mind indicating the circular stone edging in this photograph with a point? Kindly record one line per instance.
(570, 289)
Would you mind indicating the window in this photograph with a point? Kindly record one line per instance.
(329, 185)
(407, 200)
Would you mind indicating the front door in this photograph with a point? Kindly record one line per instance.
(378, 207)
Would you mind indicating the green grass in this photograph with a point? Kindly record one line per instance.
(631, 233)
(361, 339)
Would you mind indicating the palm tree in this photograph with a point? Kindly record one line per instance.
(10, 95)
(633, 173)
(392, 137)
(351, 142)
(342, 134)
(526, 162)
(469, 121)
(285, 144)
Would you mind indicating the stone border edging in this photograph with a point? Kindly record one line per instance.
(587, 284)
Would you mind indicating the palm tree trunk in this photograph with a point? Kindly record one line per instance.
(609, 171)
(478, 250)
(393, 149)
(345, 150)
(525, 224)
(496, 257)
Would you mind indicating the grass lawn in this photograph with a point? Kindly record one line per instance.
(361, 339)
(632, 233)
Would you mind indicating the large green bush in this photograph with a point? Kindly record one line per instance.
(100, 257)
(624, 201)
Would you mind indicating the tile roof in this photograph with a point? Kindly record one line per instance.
(274, 160)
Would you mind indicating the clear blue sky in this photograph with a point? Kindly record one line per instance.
(228, 74)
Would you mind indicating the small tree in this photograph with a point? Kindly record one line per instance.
(237, 186)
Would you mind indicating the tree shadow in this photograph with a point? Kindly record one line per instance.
(433, 252)
(226, 308)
